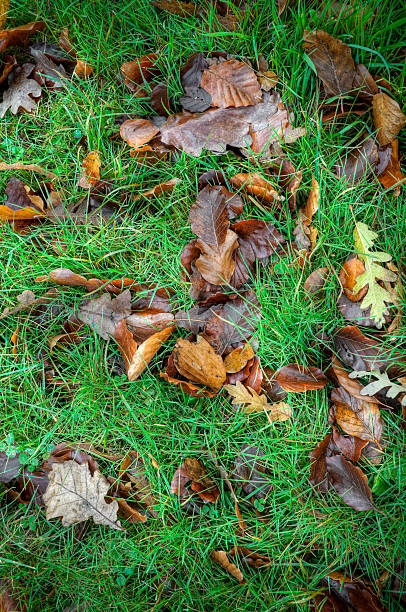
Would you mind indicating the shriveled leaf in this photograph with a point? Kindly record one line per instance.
(90, 170)
(297, 379)
(382, 381)
(208, 217)
(76, 495)
(83, 70)
(267, 80)
(136, 357)
(195, 470)
(231, 83)
(158, 190)
(220, 557)
(238, 358)
(258, 186)
(388, 118)
(305, 234)
(217, 265)
(22, 92)
(137, 132)
(20, 35)
(104, 313)
(357, 417)
(377, 296)
(350, 483)
(199, 363)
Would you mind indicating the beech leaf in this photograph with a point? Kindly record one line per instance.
(199, 363)
(350, 483)
(231, 83)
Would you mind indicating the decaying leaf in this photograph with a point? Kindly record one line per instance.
(357, 417)
(250, 474)
(231, 83)
(136, 357)
(297, 379)
(238, 358)
(388, 118)
(249, 558)
(137, 132)
(137, 71)
(359, 352)
(90, 170)
(220, 557)
(76, 495)
(352, 593)
(348, 276)
(199, 363)
(20, 35)
(243, 396)
(382, 381)
(176, 7)
(305, 234)
(22, 93)
(267, 79)
(350, 483)
(389, 173)
(315, 282)
(377, 297)
(10, 466)
(30, 167)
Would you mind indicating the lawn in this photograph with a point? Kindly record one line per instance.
(164, 563)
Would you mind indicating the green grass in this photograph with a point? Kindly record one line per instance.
(148, 415)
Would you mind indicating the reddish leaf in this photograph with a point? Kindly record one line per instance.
(159, 101)
(350, 483)
(319, 477)
(20, 35)
(349, 273)
(297, 379)
(389, 173)
(249, 557)
(257, 185)
(90, 170)
(158, 190)
(140, 70)
(354, 592)
(137, 132)
(350, 446)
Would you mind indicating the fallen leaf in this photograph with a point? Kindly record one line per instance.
(350, 483)
(65, 43)
(196, 99)
(216, 265)
(248, 398)
(140, 70)
(208, 217)
(90, 170)
(231, 83)
(137, 358)
(305, 234)
(280, 411)
(357, 417)
(83, 70)
(14, 340)
(350, 446)
(47, 72)
(267, 80)
(29, 167)
(238, 358)
(389, 173)
(220, 557)
(316, 281)
(353, 387)
(358, 163)
(20, 204)
(354, 592)
(358, 352)
(158, 190)
(199, 363)
(257, 185)
(336, 67)
(10, 466)
(349, 273)
(103, 314)
(137, 132)
(382, 381)
(297, 379)
(76, 495)
(319, 477)
(193, 469)
(377, 296)
(388, 118)
(19, 36)
(12, 599)
(159, 100)
(22, 92)
(353, 312)
(249, 557)
(176, 7)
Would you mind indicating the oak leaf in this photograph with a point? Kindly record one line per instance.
(243, 396)
(22, 92)
(377, 296)
(76, 495)
(382, 382)
(199, 363)
(231, 83)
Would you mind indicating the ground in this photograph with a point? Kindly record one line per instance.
(307, 537)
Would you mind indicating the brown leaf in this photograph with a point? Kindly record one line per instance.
(267, 80)
(142, 69)
(315, 282)
(319, 477)
(186, 386)
(350, 446)
(194, 469)
(176, 7)
(83, 70)
(238, 358)
(220, 557)
(65, 43)
(29, 167)
(305, 234)
(103, 313)
(356, 417)
(20, 204)
(248, 398)
(137, 358)
(196, 99)
(231, 83)
(10, 466)
(22, 92)
(159, 101)
(349, 273)
(388, 118)
(199, 363)
(258, 186)
(350, 483)
(389, 173)
(208, 217)
(137, 132)
(217, 265)
(354, 592)
(297, 379)
(358, 352)
(358, 163)
(90, 170)
(10, 601)
(20, 35)
(158, 190)
(249, 557)
(351, 385)
(336, 67)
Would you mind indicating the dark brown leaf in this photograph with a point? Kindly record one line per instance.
(350, 446)
(353, 312)
(353, 593)
(249, 557)
(297, 379)
(231, 83)
(389, 173)
(351, 385)
(9, 466)
(358, 352)
(350, 483)
(176, 7)
(196, 99)
(159, 101)
(20, 35)
(359, 162)
(319, 477)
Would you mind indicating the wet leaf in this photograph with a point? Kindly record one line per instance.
(76, 495)
(231, 83)
(350, 446)
(90, 170)
(20, 203)
(194, 469)
(20, 35)
(199, 363)
(137, 132)
(353, 387)
(297, 379)
(137, 358)
(22, 93)
(350, 483)
(176, 7)
(220, 557)
(388, 118)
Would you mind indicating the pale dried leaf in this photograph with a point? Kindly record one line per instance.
(220, 557)
(231, 83)
(19, 97)
(388, 118)
(217, 265)
(382, 382)
(199, 363)
(76, 496)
